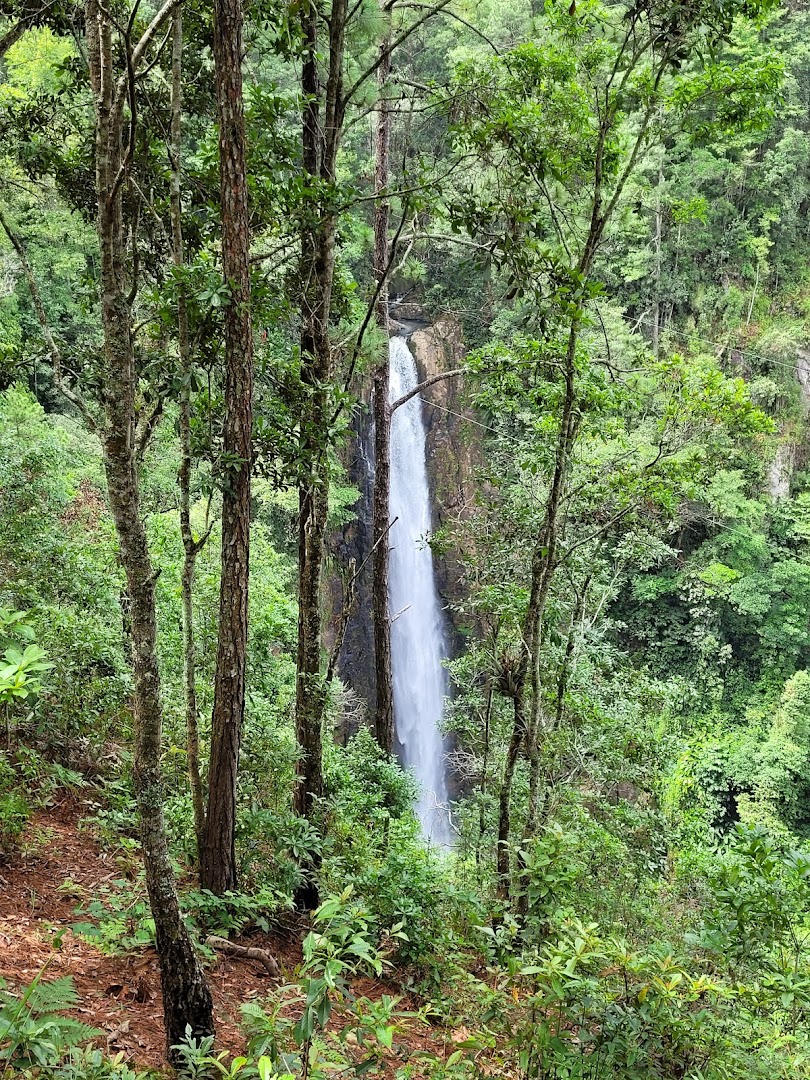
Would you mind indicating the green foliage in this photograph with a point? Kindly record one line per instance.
(32, 1030)
(757, 914)
(19, 678)
(121, 918)
(231, 913)
(368, 792)
(117, 918)
(199, 1062)
(588, 1004)
(89, 1063)
(49, 505)
(410, 898)
(341, 945)
(14, 814)
(375, 845)
(606, 169)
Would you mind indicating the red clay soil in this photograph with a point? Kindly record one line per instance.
(120, 995)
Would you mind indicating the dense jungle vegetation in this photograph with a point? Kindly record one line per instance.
(203, 217)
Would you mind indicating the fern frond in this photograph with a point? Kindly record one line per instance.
(32, 1029)
(53, 996)
(70, 1032)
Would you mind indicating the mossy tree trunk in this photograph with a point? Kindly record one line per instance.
(186, 997)
(218, 867)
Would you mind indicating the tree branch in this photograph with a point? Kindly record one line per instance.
(12, 36)
(392, 408)
(152, 29)
(370, 311)
(460, 19)
(385, 53)
(145, 428)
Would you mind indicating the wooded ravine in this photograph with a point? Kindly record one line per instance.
(405, 539)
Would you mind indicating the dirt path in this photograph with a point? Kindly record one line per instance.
(58, 866)
(120, 995)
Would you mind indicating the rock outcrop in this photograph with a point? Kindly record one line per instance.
(453, 450)
(452, 458)
(782, 468)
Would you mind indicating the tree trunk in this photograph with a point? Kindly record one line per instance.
(322, 125)
(504, 802)
(482, 817)
(544, 563)
(317, 255)
(544, 556)
(186, 997)
(384, 715)
(191, 547)
(535, 803)
(218, 868)
(656, 327)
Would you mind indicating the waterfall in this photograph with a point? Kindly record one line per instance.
(418, 643)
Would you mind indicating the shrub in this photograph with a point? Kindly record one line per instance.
(408, 888)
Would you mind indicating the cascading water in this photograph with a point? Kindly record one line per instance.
(418, 643)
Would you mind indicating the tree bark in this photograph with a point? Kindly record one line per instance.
(186, 997)
(191, 547)
(218, 867)
(504, 801)
(317, 255)
(384, 714)
(657, 237)
(322, 126)
(482, 817)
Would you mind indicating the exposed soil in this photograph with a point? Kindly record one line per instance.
(40, 887)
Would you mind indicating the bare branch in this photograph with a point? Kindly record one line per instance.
(13, 35)
(460, 19)
(420, 387)
(249, 952)
(146, 427)
(370, 311)
(152, 29)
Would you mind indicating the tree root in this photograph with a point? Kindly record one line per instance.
(249, 952)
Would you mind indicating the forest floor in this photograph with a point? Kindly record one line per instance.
(119, 994)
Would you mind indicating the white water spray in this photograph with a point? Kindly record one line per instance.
(418, 643)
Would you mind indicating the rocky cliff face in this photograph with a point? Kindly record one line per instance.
(353, 543)
(452, 457)
(453, 450)
(790, 451)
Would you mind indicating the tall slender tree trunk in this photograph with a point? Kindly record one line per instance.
(544, 563)
(482, 816)
(544, 555)
(191, 547)
(384, 715)
(657, 238)
(317, 263)
(218, 868)
(322, 125)
(504, 801)
(186, 997)
(535, 801)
